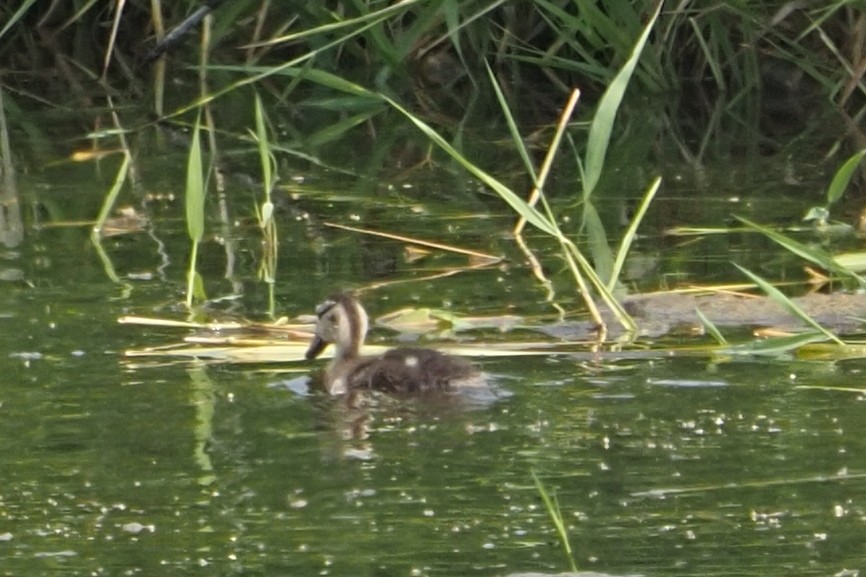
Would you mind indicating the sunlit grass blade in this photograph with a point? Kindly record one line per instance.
(532, 216)
(113, 193)
(520, 206)
(19, 14)
(832, 351)
(815, 256)
(584, 266)
(288, 67)
(418, 241)
(775, 346)
(787, 304)
(597, 242)
(265, 157)
(338, 130)
(368, 19)
(267, 224)
(852, 261)
(711, 327)
(856, 390)
(602, 123)
(558, 522)
(631, 232)
(702, 231)
(843, 177)
(112, 37)
(516, 137)
(194, 212)
(195, 187)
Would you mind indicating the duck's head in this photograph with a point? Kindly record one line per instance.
(343, 322)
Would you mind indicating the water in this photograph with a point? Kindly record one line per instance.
(660, 465)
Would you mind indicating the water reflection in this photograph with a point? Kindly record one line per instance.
(359, 415)
(11, 225)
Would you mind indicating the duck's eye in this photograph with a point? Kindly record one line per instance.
(332, 317)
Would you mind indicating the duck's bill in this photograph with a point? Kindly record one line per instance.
(316, 348)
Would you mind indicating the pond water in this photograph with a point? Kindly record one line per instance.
(660, 465)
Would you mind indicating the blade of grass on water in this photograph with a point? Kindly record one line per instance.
(265, 156)
(776, 346)
(843, 177)
(195, 187)
(815, 256)
(711, 327)
(556, 516)
(788, 304)
(631, 233)
(194, 213)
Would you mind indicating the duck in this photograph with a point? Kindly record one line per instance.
(343, 322)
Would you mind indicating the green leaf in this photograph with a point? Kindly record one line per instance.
(711, 328)
(195, 187)
(777, 345)
(631, 233)
(520, 206)
(843, 177)
(816, 256)
(516, 137)
(264, 151)
(602, 123)
(553, 510)
(199, 293)
(788, 304)
(596, 236)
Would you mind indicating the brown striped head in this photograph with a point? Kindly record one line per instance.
(341, 321)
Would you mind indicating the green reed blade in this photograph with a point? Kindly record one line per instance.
(788, 304)
(711, 327)
(520, 206)
(816, 256)
(265, 156)
(843, 177)
(602, 123)
(631, 233)
(555, 513)
(195, 187)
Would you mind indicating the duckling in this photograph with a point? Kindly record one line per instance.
(343, 322)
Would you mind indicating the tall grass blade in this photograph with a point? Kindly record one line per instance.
(815, 256)
(602, 123)
(285, 68)
(788, 304)
(520, 206)
(711, 328)
(113, 193)
(631, 233)
(265, 155)
(843, 177)
(534, 217)
(596, 238)
(516, 138)
(556, 516)
(270, 240)
(195, 187)
(777, 346)
(194, 212)
(19, 14)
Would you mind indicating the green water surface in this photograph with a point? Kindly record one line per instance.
(660, 465)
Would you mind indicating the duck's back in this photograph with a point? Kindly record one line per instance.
(411, 370)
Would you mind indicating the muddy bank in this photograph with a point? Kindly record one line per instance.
(658, 314)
